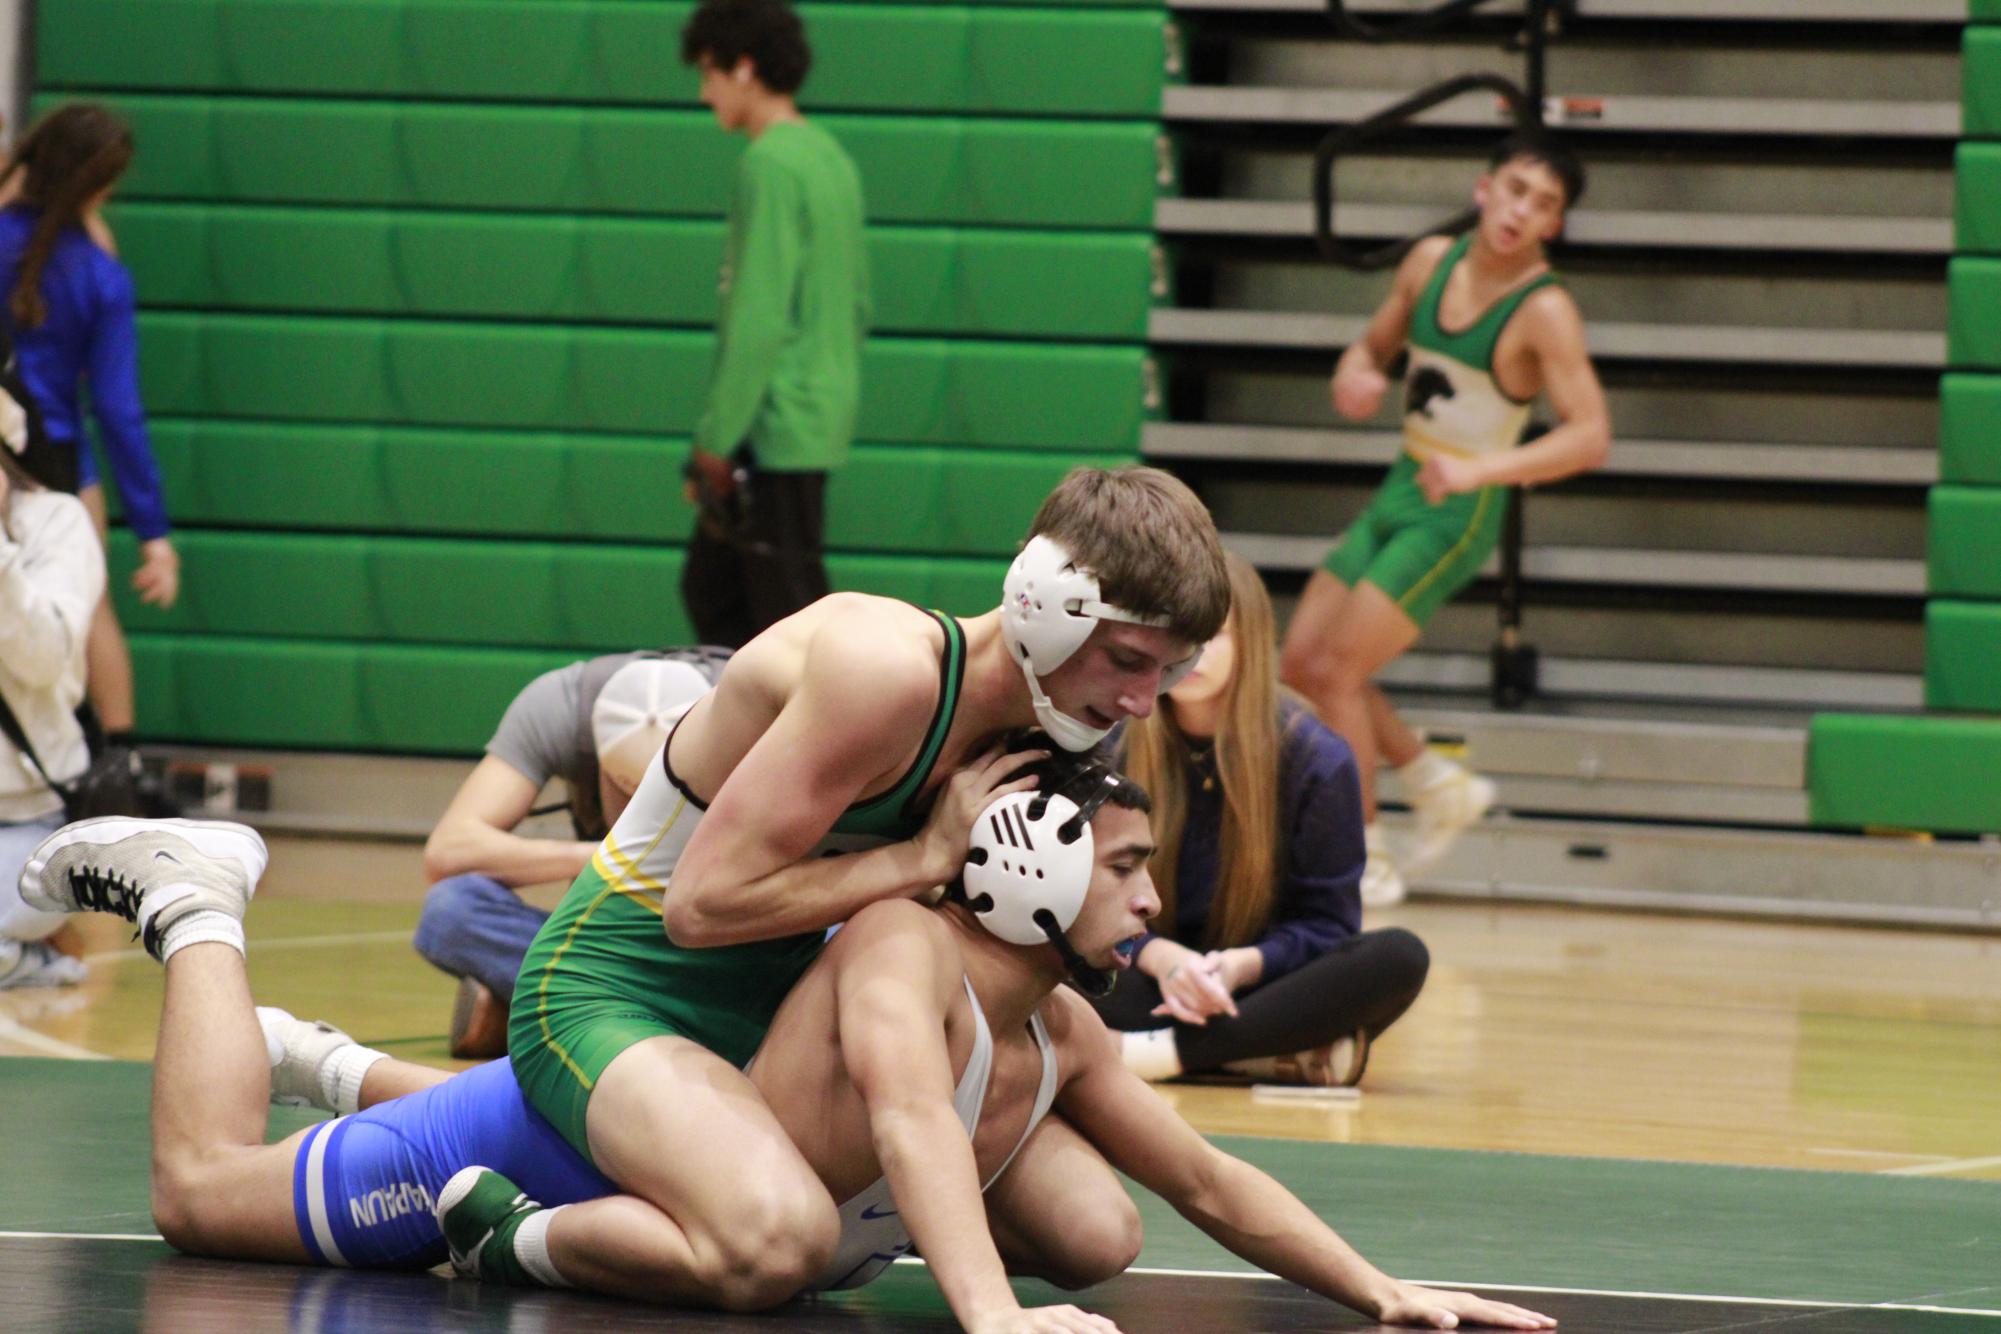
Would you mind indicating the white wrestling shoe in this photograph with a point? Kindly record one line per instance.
(150, 872)
(299, 1050)
(1445, 809)
(1382, 882)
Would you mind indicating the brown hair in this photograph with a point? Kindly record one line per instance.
(1247, 764)
(70, 157)
(1148, 539)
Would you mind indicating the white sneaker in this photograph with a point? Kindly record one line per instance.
(36, 963)
(1445, 810)
(1382, 883)
(150, 872)
(298, 1050)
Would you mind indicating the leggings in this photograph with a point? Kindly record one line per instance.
(1365, 982)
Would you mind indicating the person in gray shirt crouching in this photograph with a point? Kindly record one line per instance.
(596, 725)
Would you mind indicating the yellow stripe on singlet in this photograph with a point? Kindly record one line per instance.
(611, 887)
(1487, 494)
(629, 873)
(1420, 446)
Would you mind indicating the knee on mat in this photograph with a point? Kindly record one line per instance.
(764, 1257)
(1098, 1244)
(178, 1199)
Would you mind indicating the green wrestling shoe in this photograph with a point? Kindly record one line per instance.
(479, 1211)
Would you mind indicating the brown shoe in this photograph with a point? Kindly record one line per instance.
(1339, 1064)
(479, 1023)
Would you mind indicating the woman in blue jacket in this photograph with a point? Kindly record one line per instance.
(1260, 966)
(70, 313)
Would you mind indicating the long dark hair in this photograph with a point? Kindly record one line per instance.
(68, 158)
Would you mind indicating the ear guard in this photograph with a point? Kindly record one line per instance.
(1029, 865)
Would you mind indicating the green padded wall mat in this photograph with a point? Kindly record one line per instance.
(529, 159)
(1963, 541)
(261, 692)
(1973, 332)
(245, 691)
(1977, 198)
(1089, 397)
(1876, 770)
(931, 280)
(285, 475)
(1984, 11)
(416, 590)
(958, 59)
(1970, 429)
(387, 246)
(1963, 656)
(1980, 83)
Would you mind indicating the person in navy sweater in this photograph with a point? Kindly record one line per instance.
(69, 309)
(1259, 966)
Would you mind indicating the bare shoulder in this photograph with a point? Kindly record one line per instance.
(1551, 315)
(896, 941)
(892, 919)
(1078, 1034)
(1422, 261)
(873, 646)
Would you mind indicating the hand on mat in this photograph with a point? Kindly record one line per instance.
(1045, 1320)
(158, 578)
(1443, 475)
(948, 831)
(1193, 989)
(1436, 1308)
(1358, 393)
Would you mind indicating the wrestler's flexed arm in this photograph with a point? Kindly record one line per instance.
(856, 706)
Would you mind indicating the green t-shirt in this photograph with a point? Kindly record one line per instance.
(787, 374)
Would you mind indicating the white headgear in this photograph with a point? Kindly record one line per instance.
(1049, 606)
(1021, 865)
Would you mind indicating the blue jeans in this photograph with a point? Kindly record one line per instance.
(17, 920)
(474, 926)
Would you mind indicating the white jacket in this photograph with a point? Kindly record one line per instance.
(51, 577)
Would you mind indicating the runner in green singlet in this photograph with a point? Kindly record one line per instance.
(1488, 328)
(869, 728)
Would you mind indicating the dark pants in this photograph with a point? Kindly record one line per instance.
(1366, 982)
(765, 566)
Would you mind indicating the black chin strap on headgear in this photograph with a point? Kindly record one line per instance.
(1090, 787)
(1097, 983)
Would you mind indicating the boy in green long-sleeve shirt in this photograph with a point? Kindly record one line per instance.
(787, 376)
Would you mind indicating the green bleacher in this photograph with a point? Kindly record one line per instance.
(1942, 771)
(426, 294)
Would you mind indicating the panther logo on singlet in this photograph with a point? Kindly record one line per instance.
(1426, 383)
